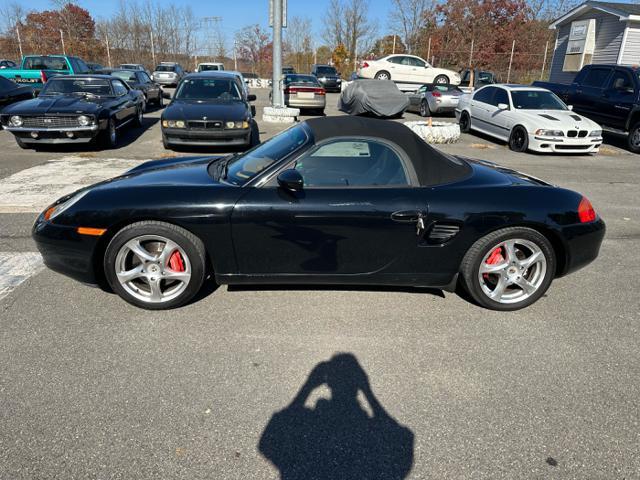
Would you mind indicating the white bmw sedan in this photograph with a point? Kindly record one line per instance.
(528, 118)
(407, 69)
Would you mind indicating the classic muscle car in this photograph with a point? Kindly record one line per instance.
(75, 109)
(10, 92)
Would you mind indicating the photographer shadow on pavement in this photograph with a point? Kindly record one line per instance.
(338, 438)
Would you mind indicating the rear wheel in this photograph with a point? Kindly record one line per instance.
(155, 265)
(509, 269)
(441, 80)
(465, 122)
(424, 109)
(519, 139)
(383, 75)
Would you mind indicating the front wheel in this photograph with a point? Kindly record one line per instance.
(155, 265)
(633, 139)
(110, 136)
(424, 109)
(139, 115)
(465, 122)
(519, 140)
(441, 80)
(509, 269)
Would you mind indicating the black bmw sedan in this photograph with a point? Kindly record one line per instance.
(75, 109)
(342, 200)
(210, 109)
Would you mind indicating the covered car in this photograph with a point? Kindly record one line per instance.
(379, 98)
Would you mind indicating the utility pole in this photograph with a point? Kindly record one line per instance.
(544, 61)
(277, 53)
(355, 55)
(429, 50)
(153, 47)
(19, 41)
(106, 37)
(235, 54)
(471, 54)
(393, 50)
(513, 46)
(64, 52)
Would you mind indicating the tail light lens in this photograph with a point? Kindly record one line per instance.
(365, 65)
(436, 94)
(43, 77)
(316, 90)
(586, 213)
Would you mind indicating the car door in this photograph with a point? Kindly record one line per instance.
(500, 120)
(480, 107)
(618, 99)
(416, 97)
(124, 106)
(398, 68)
(153, 89)
(419, 71)
(357, 215)
(588, 98)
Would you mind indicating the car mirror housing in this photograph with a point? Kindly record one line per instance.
(291, 180)
(570, 107)
(251, 98)
(503, 106)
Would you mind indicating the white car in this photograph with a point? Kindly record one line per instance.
(528, 118)
(206, 66)
(407, 69)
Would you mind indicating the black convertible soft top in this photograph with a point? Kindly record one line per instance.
(432, 167)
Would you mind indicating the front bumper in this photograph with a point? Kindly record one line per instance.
(564, 144)
(331, 84)
(54, 136)
(65, 251)
(166, 81)
(213, 138)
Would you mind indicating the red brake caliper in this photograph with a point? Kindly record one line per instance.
(495, 258)
(176, 263)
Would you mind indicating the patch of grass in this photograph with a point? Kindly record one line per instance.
(168, 155)
(604, 150)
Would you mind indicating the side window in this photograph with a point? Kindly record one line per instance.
(484, 95)
(144, 78)
(81, 66)
(417, 62)
(396, 59)
(422, 89)
(352, 163)
(501, 96)
(596, 77)
(621, 80)
(119, 89)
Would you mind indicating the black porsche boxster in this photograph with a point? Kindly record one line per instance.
(75, 109)
(341, 200)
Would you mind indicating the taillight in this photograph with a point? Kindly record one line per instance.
(586, 213)
(436, 94)
(365, 65)
(43, 77)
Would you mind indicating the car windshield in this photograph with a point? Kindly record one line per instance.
(124, 75)
(206, 68)
(70, 86)
(301, 79)
(165, 68)
(536, 100)
(130, 66)
(208, 89)
(326, 71)
(243, 168)
(45, 63)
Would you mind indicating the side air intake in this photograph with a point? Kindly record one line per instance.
(441, 233)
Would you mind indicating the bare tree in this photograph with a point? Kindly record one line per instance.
(298, 40)
(548, 10)
(409, 17)
(347, 22)
(252, 44)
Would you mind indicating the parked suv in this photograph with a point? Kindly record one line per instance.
(168, 73)
(328, 77)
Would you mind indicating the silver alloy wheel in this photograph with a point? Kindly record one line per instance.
(512, 271)
(382, 76)
(424, 109)
(142, 267)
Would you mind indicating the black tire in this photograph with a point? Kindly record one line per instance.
(110, 135)
(633, 139)
(465, 122)
(137, 121)
(519, 139)
(469, 268)
(22, 145)
(441, 80)
(189, 243)
(382, 75)
(160, 100)
(424, 109)
(255, 135)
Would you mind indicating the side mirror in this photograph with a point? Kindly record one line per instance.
(570, 107)
(503, 106)
(291, 180)
(251, 98)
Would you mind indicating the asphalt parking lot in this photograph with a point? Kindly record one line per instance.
(91, 387)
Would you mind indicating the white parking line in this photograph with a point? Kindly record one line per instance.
(33, 189)
(16, 267)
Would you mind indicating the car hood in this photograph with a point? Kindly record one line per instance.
(192, 110)
(58, 104)
(558, 119)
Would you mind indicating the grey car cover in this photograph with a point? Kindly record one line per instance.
(380, 98)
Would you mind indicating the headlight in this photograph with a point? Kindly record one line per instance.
(323, 79)
(52, 212)
(173, 123)
(244, 124)
(83, 120)
(549, 133)
(596, 133)
(15, 121)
